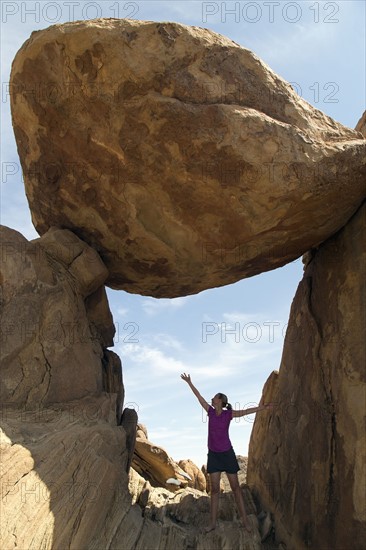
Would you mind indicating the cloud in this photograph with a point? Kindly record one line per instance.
(168, 341)
(155, 306)
(122, 311)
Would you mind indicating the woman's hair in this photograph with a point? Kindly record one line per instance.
(223, 398)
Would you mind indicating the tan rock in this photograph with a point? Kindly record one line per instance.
(179, 156)
(198, 480)
(307, 457)
(48, 353)
(63, 476)
(64, 485)
(189, 510)
(154, 464)
(141, 431)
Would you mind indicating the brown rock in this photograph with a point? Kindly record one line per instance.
(100, 317)
(64, 485)
(128, 423)
(307, 457)
(361, 125)
(112, 380)
(198, 480)
(47, 350)
(63, 477)
(82, 262)
(154, 464)
(64, 461)
(179, 156)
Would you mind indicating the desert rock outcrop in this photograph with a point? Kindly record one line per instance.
(51, 351)
(65, 443)
(178, 155)
(307, 459)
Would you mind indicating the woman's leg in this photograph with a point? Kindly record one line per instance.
(215, 494)
(235, 487)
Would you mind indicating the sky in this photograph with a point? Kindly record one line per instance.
(229, 339)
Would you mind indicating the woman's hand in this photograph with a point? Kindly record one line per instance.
(186, 377)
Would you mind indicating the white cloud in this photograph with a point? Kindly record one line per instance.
(167, 341)
(122, 311)
(155, 306)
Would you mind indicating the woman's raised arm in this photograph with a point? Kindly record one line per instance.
(203, 402)
(244, 412)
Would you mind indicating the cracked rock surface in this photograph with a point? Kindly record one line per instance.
(176, 154)
(307, 458)
(51, 344)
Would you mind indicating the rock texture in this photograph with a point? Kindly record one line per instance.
(176, 154)
(189, 511)
(51, 347)
(307, 459)
(197, 479)
(155, 465)
(63, 477)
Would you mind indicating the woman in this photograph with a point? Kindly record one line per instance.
(221, 456)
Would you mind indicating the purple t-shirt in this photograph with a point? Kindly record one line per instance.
(218, 430)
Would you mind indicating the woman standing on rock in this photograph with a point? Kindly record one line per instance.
(221, 456)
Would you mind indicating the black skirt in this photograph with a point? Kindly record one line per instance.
(222, 462)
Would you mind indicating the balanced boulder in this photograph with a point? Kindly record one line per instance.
(177, 154)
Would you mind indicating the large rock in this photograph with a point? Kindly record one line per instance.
(307, 458)
(197, 478)
(177, 154)
(154, 464)
(63, 478)
(50, 350)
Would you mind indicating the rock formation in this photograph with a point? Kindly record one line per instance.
(179, 162)
(197, 479)
(66, 447)
(155, 465)
(178, 155)
(189, 509)
(307, 459)
(51, 351)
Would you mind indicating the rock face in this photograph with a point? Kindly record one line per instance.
(176, 154)
(307, 459)
(51, 347)
(63, 477)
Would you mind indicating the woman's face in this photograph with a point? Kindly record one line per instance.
(216, 400)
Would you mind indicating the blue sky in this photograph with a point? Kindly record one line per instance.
(231, 338)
